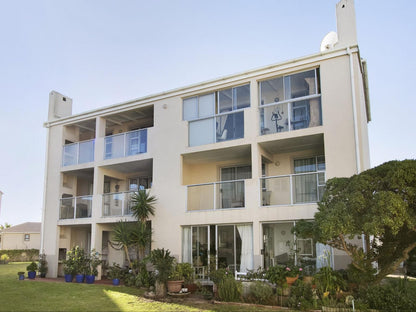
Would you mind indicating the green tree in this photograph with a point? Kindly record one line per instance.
(379, 204)
(5, 226)
(143, 205)
(123, 237)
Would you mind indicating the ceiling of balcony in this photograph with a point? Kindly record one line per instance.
(288, 145)
(139, 115)
(143, 166)
(217, 155)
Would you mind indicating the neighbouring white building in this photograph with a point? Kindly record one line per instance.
(234, 162)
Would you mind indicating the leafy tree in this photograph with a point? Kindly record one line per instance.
(5, 226)
(143, 205)
(123, 237)
(379, 204)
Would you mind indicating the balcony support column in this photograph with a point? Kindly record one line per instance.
(97, 242)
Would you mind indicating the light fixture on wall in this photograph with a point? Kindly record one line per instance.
(277, 163)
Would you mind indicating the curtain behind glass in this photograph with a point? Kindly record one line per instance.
(305, 188)
(186, 245)
(246, 258)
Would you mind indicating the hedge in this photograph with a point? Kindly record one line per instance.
(21, 255)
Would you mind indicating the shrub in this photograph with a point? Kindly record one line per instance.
(4, 259)
(21, 255)
(229, 289)
(261, 292)
(301, 296)
(32, 267)
(393, 296)
(217, 276)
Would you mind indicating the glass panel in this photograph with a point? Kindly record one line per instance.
(225, 100)
(278, 244)
(206, 105)
(302, 84)
(242, 97)
(243, 172)
(200, 246)
(112, 204)
(84, 207)
(86, 152)
(114, 146)
(190, 108)
(321, 162)
(230, 126)
(300, 115)
(244, 247)
(200, 197)
(70, 154)
(305, 188)
(186, 245)
(275, 118)
(232, 194)
(226, 256)
(271, 91)
(143, 141)
(201, 132)
(276, 192)
(67, 208)
(305, 165)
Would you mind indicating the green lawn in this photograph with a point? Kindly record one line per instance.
(29, 295)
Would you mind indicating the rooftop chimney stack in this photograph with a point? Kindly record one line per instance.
(346, 24)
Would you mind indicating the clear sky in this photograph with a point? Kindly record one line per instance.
(104, 52)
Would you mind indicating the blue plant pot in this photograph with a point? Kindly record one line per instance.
(79, 278)
(68, 278)
(31, 274)
(116, 281)
(89, 279)
(21, 277)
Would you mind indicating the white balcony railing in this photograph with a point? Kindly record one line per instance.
(78, 153)
(76, 207)
(216, 195)
(117, 204)
(125, 144)
(292, 189)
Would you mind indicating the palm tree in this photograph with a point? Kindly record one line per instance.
(143, 205)
(123, 237)
(141, 236)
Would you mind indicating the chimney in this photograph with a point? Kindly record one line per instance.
(59, 106)
(346, 24)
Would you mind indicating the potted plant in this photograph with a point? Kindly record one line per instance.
(31, 270)
(92, 264)
(80, 264)
(187, 272)
(292, 273)
(115, 272)
(69, 266)
(163, 263)
(21, 275)
(42, 265)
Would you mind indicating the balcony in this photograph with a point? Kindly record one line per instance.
(302, 188)
(217, 195)
(291, 115)
(117, 204)
(78, 153)
(76, 207)
(125, 144)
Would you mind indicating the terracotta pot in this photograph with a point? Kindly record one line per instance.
(174, 286)
(291, 280)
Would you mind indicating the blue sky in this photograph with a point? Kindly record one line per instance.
(104, 52)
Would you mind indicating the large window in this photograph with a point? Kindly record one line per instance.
(216, 116)
(282, 247)
(209, 247)
(290, 102)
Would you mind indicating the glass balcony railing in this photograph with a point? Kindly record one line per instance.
(217, 195)
(117, 204)
(125, 144)
(291, 115)
(292, 189)
(76, 207)
(223, 127)
(78, 153)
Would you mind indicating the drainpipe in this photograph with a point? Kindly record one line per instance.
(354, 112)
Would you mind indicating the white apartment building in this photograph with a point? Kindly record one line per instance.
(233, 162)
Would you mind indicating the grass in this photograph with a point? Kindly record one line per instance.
(29, 295)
